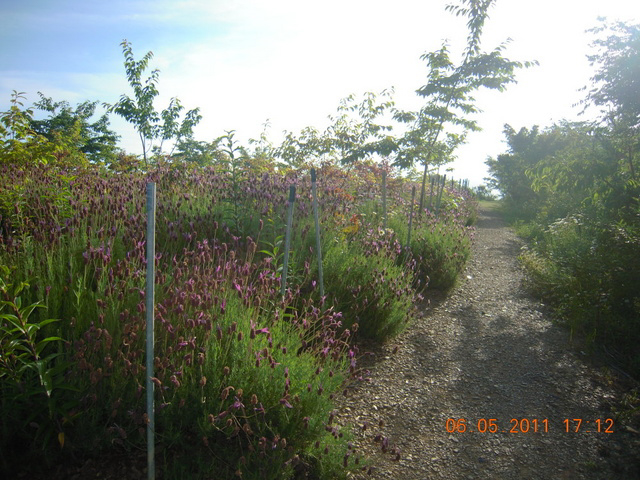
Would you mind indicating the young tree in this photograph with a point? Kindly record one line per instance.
(140, 111)
(196, 152)
(449, 93)
(295, 151)
(356, 132)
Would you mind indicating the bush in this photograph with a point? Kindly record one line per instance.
(589, 273)
(373, 293)
(439, 248)
(245, 379)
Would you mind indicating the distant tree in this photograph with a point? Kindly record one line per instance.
(140, 111)
(358, 132)
(262, 148)
(508, 171)
(616, 88)
(295, 151)
(548, 173)
(94, 139)
(196, 152)
(22, 144)
(575, 185)
(483, 192)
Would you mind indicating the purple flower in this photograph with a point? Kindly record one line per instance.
(237, 404)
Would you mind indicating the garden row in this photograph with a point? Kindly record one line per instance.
(245, 377)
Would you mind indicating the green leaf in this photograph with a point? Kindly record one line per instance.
(4, 303)
(31, 329)
(27, 311)
(43, 343)
(48, 321)
(10, 318)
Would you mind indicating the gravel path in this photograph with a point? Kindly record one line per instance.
(489, 351)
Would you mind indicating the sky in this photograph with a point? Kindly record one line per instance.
(289, 62)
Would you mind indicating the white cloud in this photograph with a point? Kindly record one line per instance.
(291, 61)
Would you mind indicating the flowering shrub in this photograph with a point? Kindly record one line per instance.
(374, 293)
(440, 248)
(245, 378)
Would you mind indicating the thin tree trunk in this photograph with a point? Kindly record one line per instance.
(144, 150)
(424, 180)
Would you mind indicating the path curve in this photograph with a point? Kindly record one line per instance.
(488, 351)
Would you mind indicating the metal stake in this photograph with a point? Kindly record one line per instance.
(287, 241)
(318, 241)
(150, 300)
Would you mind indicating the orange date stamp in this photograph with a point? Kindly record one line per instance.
(528, 425)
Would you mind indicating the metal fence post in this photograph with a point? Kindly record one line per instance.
(439, 196)
(150, 301)
(433, 181)
(413, 196)
(287, 241)
(318, 240)
(384, 200)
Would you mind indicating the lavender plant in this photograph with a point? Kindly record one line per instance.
(244, 377)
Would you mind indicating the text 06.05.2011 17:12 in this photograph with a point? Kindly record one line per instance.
(526, 425)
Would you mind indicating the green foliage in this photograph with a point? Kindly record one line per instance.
(246, 377)
(31, 374)
(615, 87)
(589, 273)
(438, 249)
(449, 94)
(93, 139)
(140, 110)
(16, 121)
(574, 188)
(370, 290)
(66, 138)
(567, 160)
(21, 144)
(290, 374)
(356, 139)
(357, 132)
(234, 162)
(194, 152)
(483, 193)
(296, 151)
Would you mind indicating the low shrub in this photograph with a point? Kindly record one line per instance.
(589, 272)
(439, 248)
(31, 378)
(373, 293)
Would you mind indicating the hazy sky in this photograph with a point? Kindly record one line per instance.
(291, 61)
